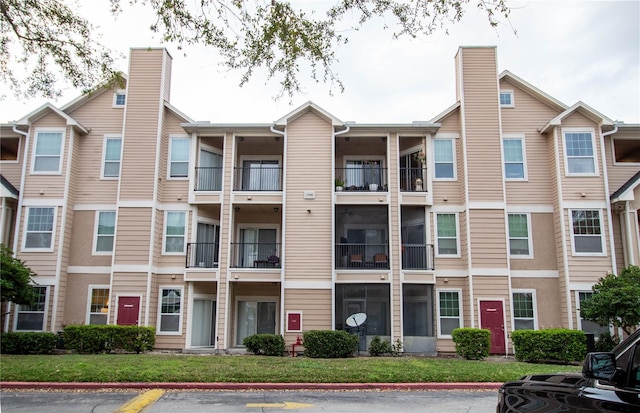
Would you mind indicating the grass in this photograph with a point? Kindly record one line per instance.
(245, 369)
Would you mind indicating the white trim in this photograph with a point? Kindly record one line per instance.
(108, 137)
(94, 207)
(310, 285)
(96, 224)
(529, 237)
(535, 274)
(25, 224)
(117, 92)
(435, 233)
(287, 322)
(159, 332)
(184, 235)
(89, 296)
(534, 303)
(529, 209)
(487, 205)
(594, 148)
(448, 209)
(136, 204)
(585, 204)
(45, 312)
(613, 151)
(38, 131)
(515, 137)
(490, 272)
(575, 253)
(145, 268)
(17, 160)
(460, 310)
(452, 273)
(174, 138)
(511, 94)
(432, 159)
(575, 286)
(80, 269)
(43, 202)
(504, 317)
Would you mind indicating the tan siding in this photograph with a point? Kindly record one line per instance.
(75, 311)
(316, 310)
(12, 170)
(489, 288)
(547, 298)
(619, 173)
(588, 269)
(447, 345)
(172, 190)
(488, 238)
(307, 234)
(168, 341)
(81, 241)
(543, 243)
(451, 263)
(132, 232)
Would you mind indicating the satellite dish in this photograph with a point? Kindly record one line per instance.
(356, 320)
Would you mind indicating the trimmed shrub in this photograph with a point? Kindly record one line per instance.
(379, 347)
(266, 344)
(330, 344)
(606, 342)
(28, 343)
(93, 339)
(556, 344)
(472, 343)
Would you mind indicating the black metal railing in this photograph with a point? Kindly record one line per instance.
(202, 255)
(258, 178)
(417, 257)
(255, 255)
(208, 178)
(413, 179)
(362, 256)
(369, 179)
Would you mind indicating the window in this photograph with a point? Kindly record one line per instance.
(362, 173)
(579, 153)
(587, 232)
(443, 159)
(523, 311)
(105, 231)
(447, 234)
(174, 232)
(112, 155)
(9, 148)
(119, 99)
(31, 317)
(506, 98)
(586, 325)
(179, 155)
(98, 305)
(39, 228)
(624, 150)
(519, 235)
(47, 153)
(170, 310)
(261, 175)
(513, 153)
(449, 312)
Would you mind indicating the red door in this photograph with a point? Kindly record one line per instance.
(492, 319)
(128, 311)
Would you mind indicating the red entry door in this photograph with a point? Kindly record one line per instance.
(128, 311)
(492, 319)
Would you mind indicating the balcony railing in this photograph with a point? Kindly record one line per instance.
(362, 256)
(255, 255)
(365, 178)
(208, 178)
(202, 255)
(258, 178)
(417, 257)
(413, 179)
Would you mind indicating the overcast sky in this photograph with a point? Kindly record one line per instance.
(573, 50)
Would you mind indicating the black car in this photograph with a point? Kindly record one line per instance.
(610, 382)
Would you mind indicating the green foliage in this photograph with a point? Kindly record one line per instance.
(535, 346)
(51, 41)
(28, 343)
(472, 343)
(606, 342)
(267, 344)
(330, 344)
(379, 347)
(615, 300)
(108, 338)
(16, 284)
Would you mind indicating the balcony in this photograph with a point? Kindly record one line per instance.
(202, 255)
(417, 257)
(258, 177)
(362, 256)
(413, 179)
(208, 178)
(363, 178)
(255, 255)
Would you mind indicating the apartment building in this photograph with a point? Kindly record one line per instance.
(501, 213)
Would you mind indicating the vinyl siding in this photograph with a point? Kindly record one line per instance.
(75, 311)
(543, 246)
(132, 232)
(547, 299)
(82, 238)
(442, 263)
(488, 239)
(618, 173)
(12, 170)
(172, 190)
(492, 288)
(316, 310)
(169, 341)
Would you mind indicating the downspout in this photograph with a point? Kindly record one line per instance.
(282, 244)
(606, 189)
(333, 226)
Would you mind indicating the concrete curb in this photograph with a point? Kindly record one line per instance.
(250, 386)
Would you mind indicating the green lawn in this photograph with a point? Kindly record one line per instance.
(243, 369)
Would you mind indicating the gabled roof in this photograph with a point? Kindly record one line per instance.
(625, 193)
(308, 107)
(6, 189)
(582, 108)
(46, 109)
(532, 90)
(446, 112)
(177, 112)
(86, 97)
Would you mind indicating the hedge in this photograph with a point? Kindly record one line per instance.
(560, 345)
(472, 343)
(330, 344)
(108, 338)
(266, 344)
(28, 343)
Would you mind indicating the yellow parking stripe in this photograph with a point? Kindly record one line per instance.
(143, 400)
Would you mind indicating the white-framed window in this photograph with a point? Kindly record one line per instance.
(9, 149)
(579, 149)
(119, 98)
(447, 234)
(513, 154)
(449, 311)
(47, 153)
(38, 233)
(506, 99)
(586, 232)
(174, 232)
(112, 154)
(105, 229)
(443, 159)
(586, 325)
(170, 303)
(98, 304)
(519, 236)
(524, 310)
(179, 157)
(32, 317)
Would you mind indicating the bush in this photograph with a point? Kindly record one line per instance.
(556, 344)
(28, 343)
(472, 343)
(93, 339)
(606, 342)
(267, 344)
(379, 347)
(330, 344)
